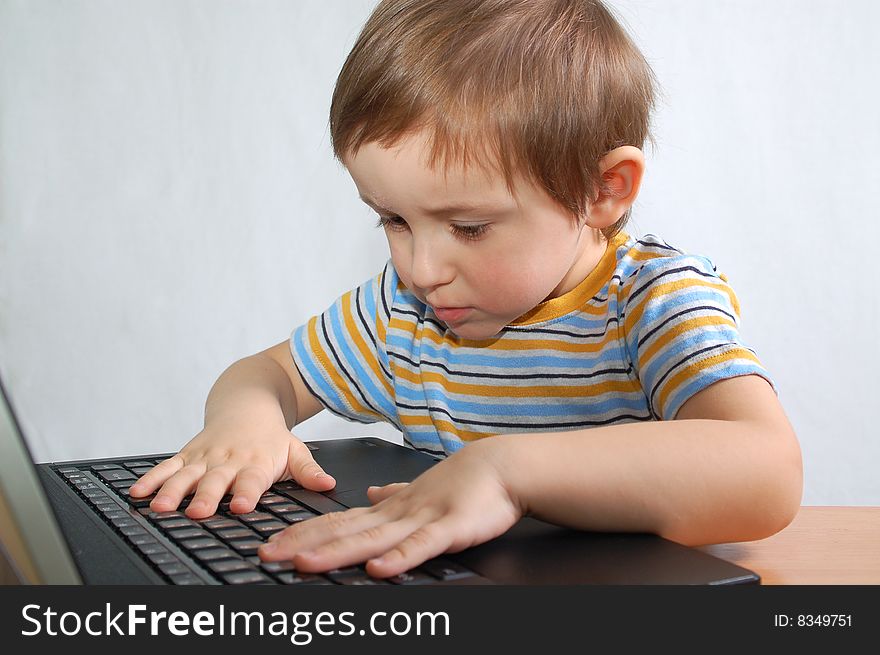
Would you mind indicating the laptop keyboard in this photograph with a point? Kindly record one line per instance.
(223, 548)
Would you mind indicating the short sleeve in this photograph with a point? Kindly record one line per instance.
(681, 326)
(341, 353)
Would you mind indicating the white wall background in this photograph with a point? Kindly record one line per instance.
(169, 204)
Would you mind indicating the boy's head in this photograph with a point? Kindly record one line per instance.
(545, 99)
(541, 88)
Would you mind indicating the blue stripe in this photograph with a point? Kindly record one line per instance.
(551, 407)
(315, 377)
(347, 354)
(677, 349)
(463, 360)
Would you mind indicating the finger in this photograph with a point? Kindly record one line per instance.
(176, 487)
(314, 532)
(367, 543)
(156, 477)
(428, 541)
(378, 494)
(249, 485)
(209, 491)
(305, 470)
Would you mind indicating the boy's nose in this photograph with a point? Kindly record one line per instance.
(429, 270)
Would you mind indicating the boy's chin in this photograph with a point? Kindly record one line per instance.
(475, 331)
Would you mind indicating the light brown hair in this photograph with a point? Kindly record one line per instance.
(537, 88)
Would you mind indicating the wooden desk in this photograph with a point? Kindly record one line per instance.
(823, 545)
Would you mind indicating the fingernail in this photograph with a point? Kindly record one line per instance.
(378, 560)
(162, 500)
(321, 474)
(269, 547)
(273, 537)
(307, 553)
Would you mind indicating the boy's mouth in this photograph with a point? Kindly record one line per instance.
(451, 314)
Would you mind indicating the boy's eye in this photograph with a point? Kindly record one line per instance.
(392, 222)
(466, 232)
(469, 232)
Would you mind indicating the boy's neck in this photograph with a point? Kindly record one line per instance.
(591, 248)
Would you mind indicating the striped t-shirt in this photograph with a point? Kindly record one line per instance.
(647, 329)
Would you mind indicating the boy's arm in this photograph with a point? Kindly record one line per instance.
(246, 443)
(306, 405)
(728, 468)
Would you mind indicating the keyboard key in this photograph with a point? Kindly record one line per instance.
(234, 533)
(282, 508)
(219, 523)
(272, 499)
(266, 528)
(162, 558)
(105, 467)
(177, 523)
(253, 517)
(174, 568)
(412, 577)
(246, 577)
(209, 554)
(229, 565)
(152, 548)
(126, 522)
(196, 544)
(276, 567)
(140, 470)
(287, 485)
(366, 580)
(353, 575)
(296, 517)
(246, 546)
(161, 516)
(138, 464)
(446, 569)
(134, 531)
(186, 579)
(114, 475)
(185, 533)
(290, 577)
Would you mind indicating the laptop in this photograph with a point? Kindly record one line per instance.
(74, 523)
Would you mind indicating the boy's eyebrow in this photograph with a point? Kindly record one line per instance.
(446, 210)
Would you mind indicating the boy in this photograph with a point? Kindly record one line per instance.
(597, 380)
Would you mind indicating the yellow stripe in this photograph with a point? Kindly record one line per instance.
(692, 369)
(492, 390)
(680, 328)
(443, 426)
(338, 382)
(409, 328)
(368, 354)
(634, 315)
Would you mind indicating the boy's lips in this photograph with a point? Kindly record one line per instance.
(451, 314)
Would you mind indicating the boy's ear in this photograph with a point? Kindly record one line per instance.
(621, 171)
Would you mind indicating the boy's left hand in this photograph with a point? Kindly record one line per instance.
(459, 502)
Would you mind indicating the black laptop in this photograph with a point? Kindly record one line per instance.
(73, 522)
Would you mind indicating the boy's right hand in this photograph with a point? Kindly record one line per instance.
(219, 459)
